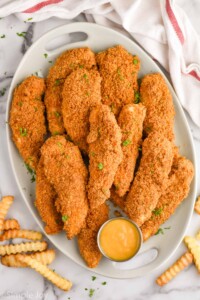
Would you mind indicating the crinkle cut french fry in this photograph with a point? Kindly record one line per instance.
(12, 260)
(184, 261)
(24, 234)
(194, 249)
(197, 206)
(5, 204)
(56, 279)
(10, 224)
(23, 247)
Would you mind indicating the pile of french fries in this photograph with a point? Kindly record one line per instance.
(192, 255)
(15, 255)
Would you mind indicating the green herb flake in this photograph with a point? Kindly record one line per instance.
(81, 66)
(94, 278)
(29, 19)
(86, 77)
(160, 230)
(139, 149)
(45, 55)
(167, 228)
(119, 73)
(2, 92)
(92, 154)
(135, 61)
(100, 166)
(112, 106)
(157, 211)
(31, 171)
(104, 283)
(23, 131)
(91, 292)
(65, 218)
(57, 82)
(2, 36)
(22, 34)
(126, 143)
(55, 133)
(148, 129)
(57, 114)
(35, 108)
(50, 61)
(20, 104)
(59, 144)
(137, 97)
(87, 94)
(86, 289)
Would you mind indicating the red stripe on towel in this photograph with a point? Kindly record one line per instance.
(174, 21)
(40, 5)
(195, 75)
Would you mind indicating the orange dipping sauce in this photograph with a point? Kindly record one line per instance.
(119, 239)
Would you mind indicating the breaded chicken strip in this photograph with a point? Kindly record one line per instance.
(45, 201)
(105, 154)
(87, 238)
(67, 62)
(178, 188)
(65, 170)
(27, 119)
(156, 97)
(151, 178)
(81, 92)
(130, 122)
(118, 70)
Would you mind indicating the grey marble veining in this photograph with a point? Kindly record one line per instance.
(25, 283)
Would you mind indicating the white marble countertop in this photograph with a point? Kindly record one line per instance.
(25, 283)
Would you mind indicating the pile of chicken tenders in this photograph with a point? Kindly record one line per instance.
(92, 133)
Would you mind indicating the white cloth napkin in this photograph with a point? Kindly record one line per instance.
(160, 27)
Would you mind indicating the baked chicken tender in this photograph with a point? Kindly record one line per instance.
(45, 201)
(151, 178)
(81, 92)
(178, 188)
(67, 62)
(27, 119)
(87, 238)
(118, 70)
(130, 122)
(105, 154)
(65, 170)
(156, 97)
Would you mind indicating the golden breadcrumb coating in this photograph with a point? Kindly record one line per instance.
(178, 188)
(67, 62)
(117, 200)
(45, 201)
(155, 95)
(130, 122)
(81, 92)
(151, 178)
(118, 70)
(105, 154)
(27, 119)
(65, 170)
(87, 238)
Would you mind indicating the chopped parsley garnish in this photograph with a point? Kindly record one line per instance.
(126, 143)
(91, 293)
(3, 36)
(112, 106)
(35, 108)
(135, 61)
(148, 129)
(119, 73)
(55, 133)
(157, 211)
(86, 289)
(50, 61)
(23, 131)
(137, 97)
(94, 278)
(160, 230)
(92, 153)
(139, 149)
(65, 218)
(20, 104)
(57, 82)
(57, 114)
(86, 77)
(29, 19)
(22, 34)
(45, 55)
(59, 144)
(100, 166)
(31, 171)
(2, 92)
(81, 66)
(87, 94)
(104, 283)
